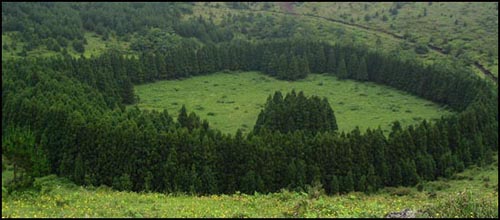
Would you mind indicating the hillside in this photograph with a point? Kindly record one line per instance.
(249, 109)
(461, 35)
(465, 33)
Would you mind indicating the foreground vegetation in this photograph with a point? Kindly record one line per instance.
(366, 105)
(470, 194)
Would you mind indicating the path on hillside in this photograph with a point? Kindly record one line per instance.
(440, 50)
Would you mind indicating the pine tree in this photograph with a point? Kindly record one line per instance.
(128, 96)
(342, 70)
(362, 72)
(183, 117)
(352, 66)
(348, 182)
(303, 68)
(334, 185)
(79, 174)
(293, 69)
(331, 65)
(282, 68)
(148, 179)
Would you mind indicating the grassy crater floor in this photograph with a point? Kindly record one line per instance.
(472, 193)
(233, 100)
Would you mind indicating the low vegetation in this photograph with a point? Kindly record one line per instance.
(366, 105)
(467, 197)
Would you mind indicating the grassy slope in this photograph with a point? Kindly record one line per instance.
(478, 38)
(62, 199)
(94, 47)
(366, 105)
(476, 41)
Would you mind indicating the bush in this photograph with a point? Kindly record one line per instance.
(19, 184)
(48, 183)
(432, 195)
(285, 195)
(421, 49)
(315, 191)
(399, 191)
(437, 186)
(78, 46)
(486, 179)
(465, 205)
(420, 187)
(199, 108)
(123, 182)
(240, 215)
(460, 177)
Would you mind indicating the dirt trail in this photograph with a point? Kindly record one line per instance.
(287, 6)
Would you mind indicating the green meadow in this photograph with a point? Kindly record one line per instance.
(366, 105)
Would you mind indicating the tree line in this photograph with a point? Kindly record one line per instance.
(74, 109)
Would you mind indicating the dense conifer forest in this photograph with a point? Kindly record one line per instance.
(67, 115)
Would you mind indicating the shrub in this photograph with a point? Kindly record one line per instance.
(421, 49)
(315, 191)
(420, 187)
(199, 108)
(399, 191)
(48, 183)
(437, 186)
(486, 179)
(240, 215)
(459, 177)
(465, 205)
(432, 195)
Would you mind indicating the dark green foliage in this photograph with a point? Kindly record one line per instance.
(18, 144)
(362, 72)
(123, 182)
(79, 175)
(342, 70)
(78, 46)
(296, 112)
(75, 110)
(67, 21)
(421, 49)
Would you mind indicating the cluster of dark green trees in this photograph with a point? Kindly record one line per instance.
(74, 108)
(295, 112)
(58, 26)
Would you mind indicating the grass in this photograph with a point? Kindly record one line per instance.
(57, 197)
(474, 41)
(94, 47)
(473, 38)
(233, 100)
(469, 29)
